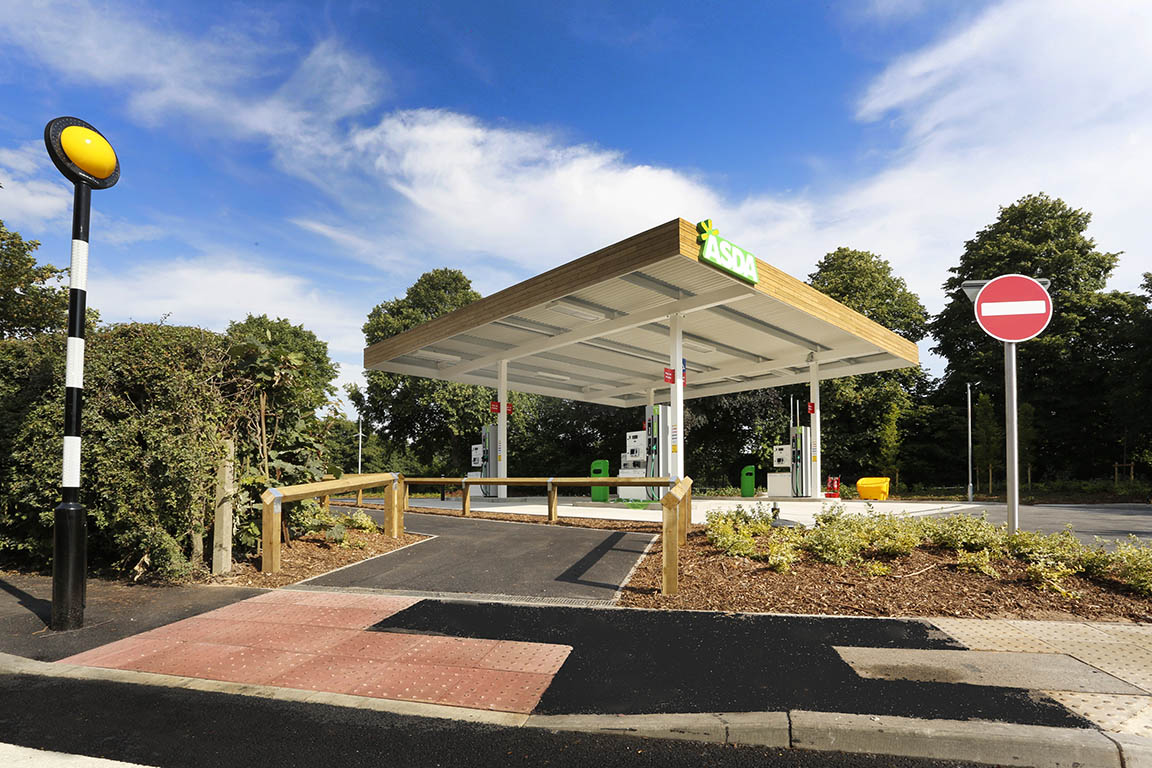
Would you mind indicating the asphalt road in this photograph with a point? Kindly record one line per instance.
(1108, 521)
(500, 558)
(177, 728)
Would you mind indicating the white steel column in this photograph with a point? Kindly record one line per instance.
(676, 422)
(502, 428)
(817, 487)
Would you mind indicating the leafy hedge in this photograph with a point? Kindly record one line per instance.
(159, 402)
(871, 540)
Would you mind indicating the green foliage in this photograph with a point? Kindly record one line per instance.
(307, 516)
(965, 532)
(337, 534)
(153, 418)
(359, 520)
(978, 561)
(31, 299)
(780, 549)
(1132, 562)
(874, 568)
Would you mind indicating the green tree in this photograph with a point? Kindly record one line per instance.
(1079, 373)
(31, 301)
(437, 421)
(280, 374)
(987, 439)
(862, 415)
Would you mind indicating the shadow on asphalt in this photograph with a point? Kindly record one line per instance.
(40, 607)
(637, 661)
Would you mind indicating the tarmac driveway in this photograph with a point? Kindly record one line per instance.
(500, 558)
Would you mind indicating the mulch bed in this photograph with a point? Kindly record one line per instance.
(311, 555)
(926, 583)
(711, 580)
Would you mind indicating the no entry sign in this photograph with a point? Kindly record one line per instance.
(1013, 308)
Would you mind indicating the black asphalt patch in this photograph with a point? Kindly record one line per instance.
(635, 661)
(115, 610)
(499, 558)
(178, 728)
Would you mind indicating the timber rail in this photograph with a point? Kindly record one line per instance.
(676, 505)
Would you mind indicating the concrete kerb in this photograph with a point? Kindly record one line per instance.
(978, 741)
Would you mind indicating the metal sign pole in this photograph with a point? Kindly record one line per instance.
(1013, 471)
(969, 385)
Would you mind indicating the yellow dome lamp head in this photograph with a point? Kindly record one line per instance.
(81, 153)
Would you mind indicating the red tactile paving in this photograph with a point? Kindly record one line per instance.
(316, 640)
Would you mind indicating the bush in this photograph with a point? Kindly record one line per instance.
(308, 516)
(781, 548)
(835, 540)
(360, 521)
(1060, 549)
(1132, 561)
(876, 568)
(726, 533)
(979, 561)
(891, 536)
(965, 532)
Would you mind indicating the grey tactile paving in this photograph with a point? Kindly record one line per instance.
(992, 635)
(1112, 712)
(1058, 633)
(1131, 663)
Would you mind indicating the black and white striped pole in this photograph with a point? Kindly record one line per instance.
(86, 159)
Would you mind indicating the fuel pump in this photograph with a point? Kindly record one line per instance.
(659, 449)
(489, 437)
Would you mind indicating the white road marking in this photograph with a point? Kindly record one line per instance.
(999, 308)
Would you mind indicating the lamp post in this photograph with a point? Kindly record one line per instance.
(85, 157)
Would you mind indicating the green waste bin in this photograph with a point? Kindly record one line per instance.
(599, 469)
(748, 481)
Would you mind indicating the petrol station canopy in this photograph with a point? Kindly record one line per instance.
(597, 329)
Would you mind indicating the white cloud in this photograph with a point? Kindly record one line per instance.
(27, 199)
(214, 289)
(1023, 96)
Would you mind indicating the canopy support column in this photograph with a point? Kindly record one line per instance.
(676, 423)
(814, 396)
(502, 427)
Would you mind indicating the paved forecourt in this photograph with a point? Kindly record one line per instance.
(489, 557)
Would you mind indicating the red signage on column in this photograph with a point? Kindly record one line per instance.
(494, 406)
(669, 376)
(509, 409)
(1013, 308)
(811, 407)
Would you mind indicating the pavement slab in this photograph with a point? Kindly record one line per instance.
(1111, 712)
(295, 640)
(1034, 671)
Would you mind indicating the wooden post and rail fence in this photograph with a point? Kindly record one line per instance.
(676, 506)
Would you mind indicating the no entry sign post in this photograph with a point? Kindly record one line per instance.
(1012, 309)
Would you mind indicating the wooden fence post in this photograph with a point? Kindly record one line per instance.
(670, 541)
(467, 497)
(401, 506)
(222, 523)
(685, 515)
(270, 532)
(359, 497)
(389, 507)
(553, 502)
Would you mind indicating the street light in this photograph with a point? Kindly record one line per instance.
(85, 157)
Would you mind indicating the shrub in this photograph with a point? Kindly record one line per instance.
(336, 534)
(836, 540)
(727, 534)
(360, 521)
(1060, 549)
(307, 516)
(979, 561)
(1047, 574)
(875, 568)
(891, 536)
(965, 532)
(781, 548)
(1133, 565)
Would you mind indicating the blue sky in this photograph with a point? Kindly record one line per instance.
(310, 160)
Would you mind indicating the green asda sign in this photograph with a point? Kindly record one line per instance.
(724, 254)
